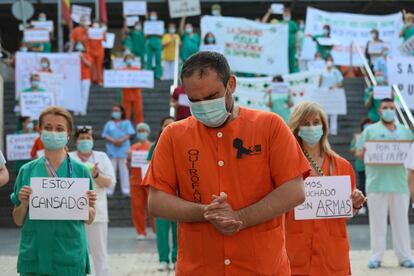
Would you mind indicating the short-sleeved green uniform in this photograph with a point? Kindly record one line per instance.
(136, 43)
(408, 33)
(385, 179)
(191, 45)
(359, 164)
(324, 50)
(52, 247)
(280, 106)
(293, 30)
(375, 104)
(47, 46)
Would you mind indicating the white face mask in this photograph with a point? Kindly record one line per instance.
(329, 64)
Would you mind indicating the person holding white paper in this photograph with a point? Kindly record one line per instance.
(387, 191)
(280, 104)
(169, 41)
(407, 31)
(371, 103)
(374, 47)
(52, 247)
(80, 34)
(153, 46)
(103, 175)
(96, 51)
(325, 50)
(134, 41)
(190, 39)
(86, 76)
(319, 246)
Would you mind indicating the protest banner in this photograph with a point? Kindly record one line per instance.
(212, 48)
(118, 63)
(253, 92)
(36, 35)
(52, 83)
(134, 7)
(78, 11)
(19, 146)
(96, 33)
(376, 48)
(33, 103)
(66, 64)
(401, 73)
(154, 27)
(327, 41)
(138, 157)
(333, 101)
(347, 28)
(246, 42)
(302, 84)
(308, 49)
(47, 25)
(407, 48)
(109, 41)
(382, 92)
(386, 152)
(327, 197)
(56, 198)
(317, 65)
(277, 8)
(128, 79)
(280, 88)
(131, 20)
(181, 8)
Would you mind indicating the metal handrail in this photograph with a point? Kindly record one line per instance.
(404, 104)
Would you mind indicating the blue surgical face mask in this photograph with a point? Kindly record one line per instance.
(142, 136)
(30, 126)
(311, 135)
(388, 115)
(153, 17)
(211, 40)
(189, 30)
(128, 62)
(211, 113)
(36, 84)
(84, 145)
(116, 115)
(23, 49)
(379, 79)
(79, 48)
(53, 140)
(44, 64)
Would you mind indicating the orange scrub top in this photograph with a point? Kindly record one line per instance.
(80, 34)
(196, 162)
(37, 145)
(320, 247)
(131, 94)
(136, 173)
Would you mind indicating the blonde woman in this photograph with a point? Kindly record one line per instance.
(319, 247)
(52, 247)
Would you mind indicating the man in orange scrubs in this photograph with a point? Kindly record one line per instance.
(139, 193)
(132, 96)
(227, 174)
(80, 34)
(96, 51)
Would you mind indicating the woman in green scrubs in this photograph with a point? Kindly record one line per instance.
(52, 247)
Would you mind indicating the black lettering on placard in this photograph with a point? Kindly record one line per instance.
(56, 202)
(305, 206)
(53, 183)
(399, 68)
(328, 208)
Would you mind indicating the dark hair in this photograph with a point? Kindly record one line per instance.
(328, 28)
(201, 62)
(278, 78)
(387, 100)
(329, 56)
(166, 118)
(206, 36)
(364, 122)
(81, 131)
(123, 115)
(375, 31)
(22, 119)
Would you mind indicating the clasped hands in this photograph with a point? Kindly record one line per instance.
(221, 215)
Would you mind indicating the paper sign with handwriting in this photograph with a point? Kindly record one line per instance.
(386, 152)
(19, 146)
(128, 79)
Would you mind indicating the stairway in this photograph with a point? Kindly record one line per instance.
(156, 106)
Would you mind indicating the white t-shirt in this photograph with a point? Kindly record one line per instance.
(331, 78)
(409, 162)
(105, 168)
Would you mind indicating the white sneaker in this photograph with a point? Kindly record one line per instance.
(141, 237)
(172, 266)
(163, 266)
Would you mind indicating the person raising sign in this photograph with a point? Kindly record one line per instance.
(52, 247)
(319, 246)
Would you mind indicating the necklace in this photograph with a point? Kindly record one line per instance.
(313, 163)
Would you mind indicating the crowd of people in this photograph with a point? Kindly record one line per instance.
(215, 167)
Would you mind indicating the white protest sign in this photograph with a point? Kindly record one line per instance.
(33, 103)
(154, 27)
(327, 41)
(47, 25)
(134, 7)
(382, 92)
(183, 100)
(181, 8)
(66, 64)
(302, 84)
(327, 197)
(407, 48)
(253, 92)
(332, 101)
(138, 157)
(376, 47)
(247, 43)
(308, 49)
(347, 28)
(118, 63)
(36, 35)
(131, 20)
(128, 79)
(316, 65)
(386, 152)
(59, 198)
(401, 73)
(52, 83)
(109, 41)
(212, 48)
(277, 8)
(79, 11)
(280, 88)
(96, 33)
(19, 146)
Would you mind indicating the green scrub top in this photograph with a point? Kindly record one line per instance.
(280, 106)
(373, 110)
(190, 45)
(137, 42)
(31, 90)
(324, 50)
(293, 29)
(47, 46)
(52, 247)
(385, 179)
(359, 164)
